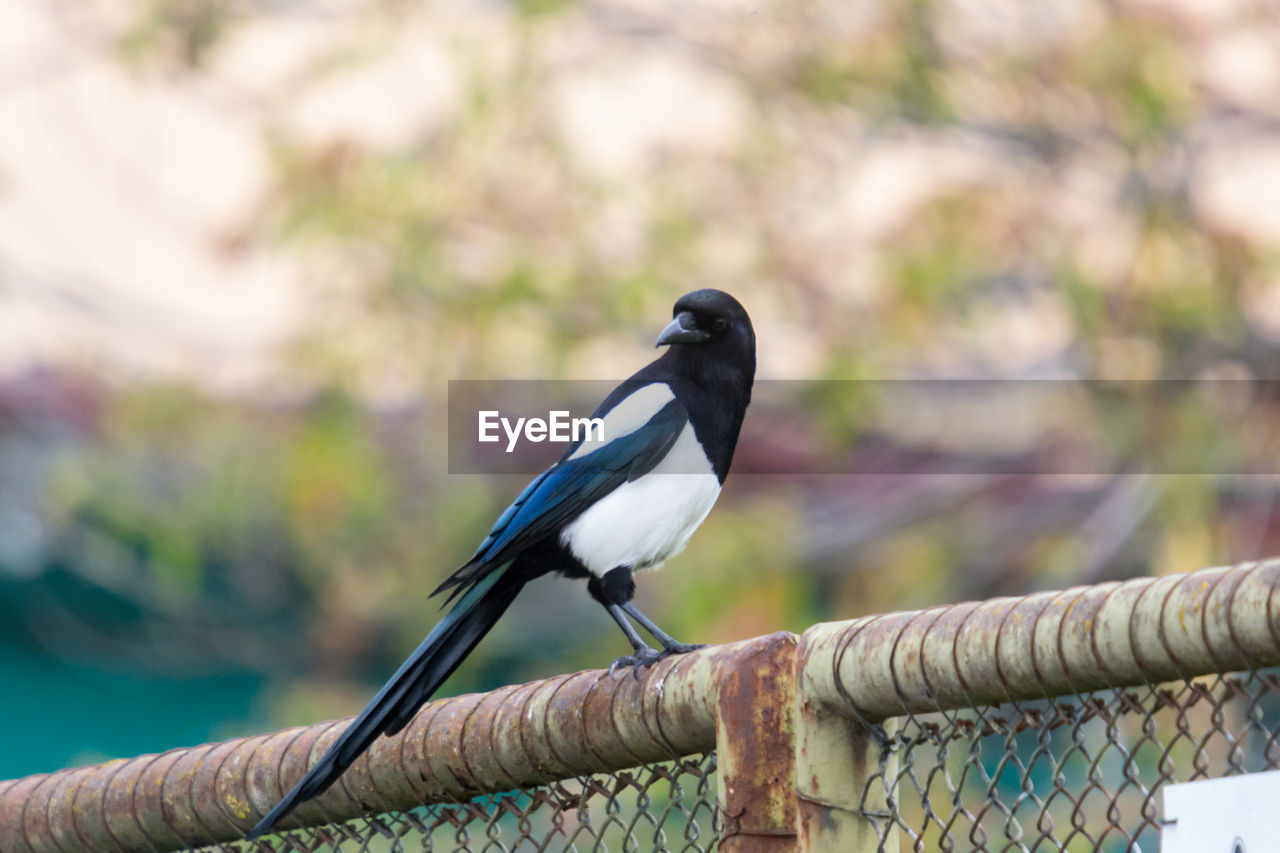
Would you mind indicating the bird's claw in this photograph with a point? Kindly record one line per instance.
(645, 657)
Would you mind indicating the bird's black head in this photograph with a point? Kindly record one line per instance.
(711, 324)
(711, 364)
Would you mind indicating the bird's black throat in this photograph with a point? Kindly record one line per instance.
(714, 385)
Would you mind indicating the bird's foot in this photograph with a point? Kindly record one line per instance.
(643, 657)
(646, 656)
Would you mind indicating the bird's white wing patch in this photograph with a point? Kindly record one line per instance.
(644, 522)
(635, 410)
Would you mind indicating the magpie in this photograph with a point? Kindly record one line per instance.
(622, 499)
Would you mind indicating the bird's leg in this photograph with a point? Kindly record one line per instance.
(669, 645)
(643, 656)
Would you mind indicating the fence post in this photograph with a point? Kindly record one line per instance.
(755, 746)
(844, 791)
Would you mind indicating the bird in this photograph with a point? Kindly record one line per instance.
(621, 499)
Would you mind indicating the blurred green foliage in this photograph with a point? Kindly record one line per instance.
(181, 32)
(1031, 215)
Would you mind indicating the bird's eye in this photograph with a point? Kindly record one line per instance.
(719, 323)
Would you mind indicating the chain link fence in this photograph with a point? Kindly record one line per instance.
(1074, 773)
(1048, 722)
(668, 806)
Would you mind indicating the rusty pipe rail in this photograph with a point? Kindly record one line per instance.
(454, 749)
(1117, 634)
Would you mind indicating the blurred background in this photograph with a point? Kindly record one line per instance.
(245, 245)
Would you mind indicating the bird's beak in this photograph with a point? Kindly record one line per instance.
(683, 330)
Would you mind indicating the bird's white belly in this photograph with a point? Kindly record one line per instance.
(642, 523)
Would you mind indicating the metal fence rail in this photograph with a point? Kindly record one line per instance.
(1046, 722)
(665, 806)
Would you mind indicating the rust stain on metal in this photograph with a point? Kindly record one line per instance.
(755, 745)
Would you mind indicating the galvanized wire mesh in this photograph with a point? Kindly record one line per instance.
(669, 807)
(1079, 773)
(1073, 773)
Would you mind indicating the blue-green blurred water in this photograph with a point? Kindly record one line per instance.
(53, 715)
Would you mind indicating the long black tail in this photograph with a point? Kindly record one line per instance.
(414, 682)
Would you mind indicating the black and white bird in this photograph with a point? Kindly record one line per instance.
(625, 501)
